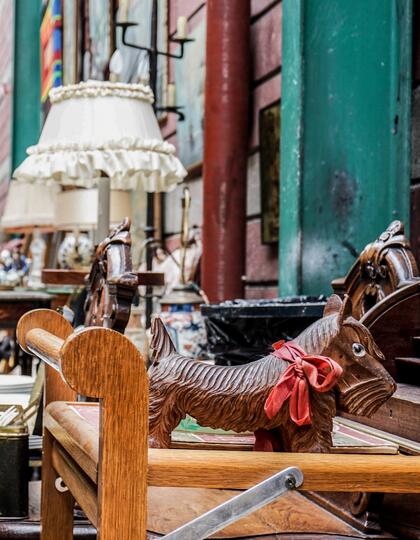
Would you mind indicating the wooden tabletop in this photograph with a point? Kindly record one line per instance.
(14, 304)
(24, 295)
(77, 277)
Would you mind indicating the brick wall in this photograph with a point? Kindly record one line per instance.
(261, 259)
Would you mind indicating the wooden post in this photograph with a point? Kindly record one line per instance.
(225, 147)
(27, 75)
(103, 364)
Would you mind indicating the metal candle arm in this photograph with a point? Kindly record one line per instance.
(173, 109)
(186, 204)
(181, 41)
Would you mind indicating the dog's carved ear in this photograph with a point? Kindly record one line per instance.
(161, 343)
(346, 309)
(333, 305)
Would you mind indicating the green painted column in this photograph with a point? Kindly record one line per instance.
(27, 78)
(290, 248)
(345, 170)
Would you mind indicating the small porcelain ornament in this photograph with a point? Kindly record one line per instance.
(76, 251)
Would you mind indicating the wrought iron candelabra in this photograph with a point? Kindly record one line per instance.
(154, 53)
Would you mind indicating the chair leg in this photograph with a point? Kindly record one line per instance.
(56, 507)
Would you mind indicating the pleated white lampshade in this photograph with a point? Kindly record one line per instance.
(99, 129)
(28, 206)
(78, 209)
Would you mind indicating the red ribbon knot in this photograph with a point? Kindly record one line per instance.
(319, 372)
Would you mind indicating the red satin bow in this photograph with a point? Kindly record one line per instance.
(306, 370)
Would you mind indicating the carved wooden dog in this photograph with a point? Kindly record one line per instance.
(233, 398)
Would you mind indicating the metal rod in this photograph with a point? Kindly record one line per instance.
(186, 203)
(104, 202)
(236, 508)
(150, 214)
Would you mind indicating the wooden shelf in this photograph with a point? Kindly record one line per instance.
(77, 277)
(63, 277)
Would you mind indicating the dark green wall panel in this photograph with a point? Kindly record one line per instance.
(27, 74)
(352, 143)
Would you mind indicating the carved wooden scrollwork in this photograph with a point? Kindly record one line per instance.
(383, 266)
(111, 284)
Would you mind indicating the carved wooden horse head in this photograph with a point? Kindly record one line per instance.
(111, 284)
(234, 398)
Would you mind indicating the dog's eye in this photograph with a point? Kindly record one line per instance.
(358, 349)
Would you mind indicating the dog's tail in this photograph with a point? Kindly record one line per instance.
(161, 343)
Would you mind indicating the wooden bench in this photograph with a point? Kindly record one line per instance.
(100, 451)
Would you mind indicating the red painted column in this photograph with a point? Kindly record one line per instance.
(225, 148)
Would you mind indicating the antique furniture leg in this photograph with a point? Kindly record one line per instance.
(56, 506)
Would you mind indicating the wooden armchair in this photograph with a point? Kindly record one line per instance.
(97, 454)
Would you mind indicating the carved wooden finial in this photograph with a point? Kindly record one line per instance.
(382, 267)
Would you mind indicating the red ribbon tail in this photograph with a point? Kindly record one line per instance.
(279, 394)
(299, 405)
(265, 441)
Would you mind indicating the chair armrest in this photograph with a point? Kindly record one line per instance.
(50, 322)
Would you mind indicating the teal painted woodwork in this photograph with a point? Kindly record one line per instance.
(27, 75)
(291, 148)
(345, 170)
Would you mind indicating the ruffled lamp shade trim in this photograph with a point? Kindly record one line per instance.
(126, 163)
